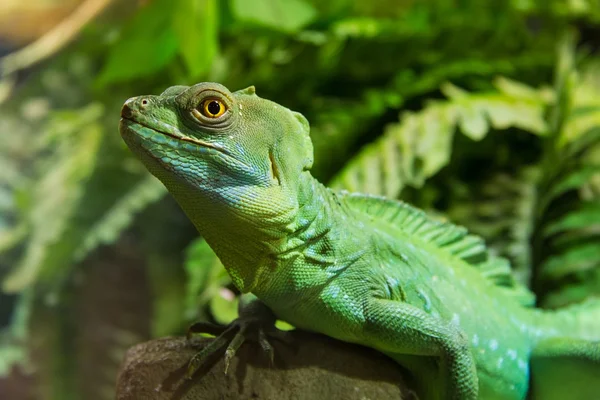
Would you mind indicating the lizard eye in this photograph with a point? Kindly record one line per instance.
(212, 108)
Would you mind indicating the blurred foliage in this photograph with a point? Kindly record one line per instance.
(420, 145)
(94, 256)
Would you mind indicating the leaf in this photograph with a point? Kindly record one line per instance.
(416, 148)
(582, 143)
(566, 241)
(586, 216)
(507, 108)
(565, 79)
(577, 259)
(10, 238)
(285, 15)
(573, 180)
(196, 24)
(411, 22)
(56, 196)
(118, 217)
(574, 293)
(336, 127)
(206, 277)
(581, 121)
(144, 47)
(284, 326)
(520, 91)
(224, 306)
(473, 123)
(501, 209)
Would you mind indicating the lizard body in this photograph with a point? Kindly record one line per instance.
(357, 268)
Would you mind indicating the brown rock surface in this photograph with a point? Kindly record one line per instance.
(313, 367)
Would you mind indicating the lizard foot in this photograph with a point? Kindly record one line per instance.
(255, 323)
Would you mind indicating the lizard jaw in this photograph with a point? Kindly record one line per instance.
(130, 126)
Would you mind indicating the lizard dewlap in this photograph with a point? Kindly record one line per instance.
(358, 268)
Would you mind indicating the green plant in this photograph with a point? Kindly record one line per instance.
(80, 216)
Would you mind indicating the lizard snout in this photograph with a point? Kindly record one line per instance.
(132, 105)
(126, 110)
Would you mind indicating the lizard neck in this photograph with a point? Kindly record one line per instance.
(252, 246)
(322, 242)
(321, 219)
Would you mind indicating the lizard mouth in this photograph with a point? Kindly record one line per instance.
(168, 130)
(128, 123)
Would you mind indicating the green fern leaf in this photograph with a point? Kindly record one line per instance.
(573, 180)
(107, 229)
(501, 209)
(56, 196)
(574, 260)
(337, 124)
(567, 244)
(586, 217)
(419, 145)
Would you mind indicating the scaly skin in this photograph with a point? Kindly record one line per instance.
(322, 261)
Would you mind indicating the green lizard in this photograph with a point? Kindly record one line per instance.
(358, 268)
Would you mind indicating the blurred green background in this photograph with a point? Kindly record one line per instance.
(484, 112)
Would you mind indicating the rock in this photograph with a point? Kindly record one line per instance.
(312, 367)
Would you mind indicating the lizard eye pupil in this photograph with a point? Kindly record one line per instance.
(213, 107)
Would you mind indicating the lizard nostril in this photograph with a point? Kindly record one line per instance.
(133, 106)
(126, 111)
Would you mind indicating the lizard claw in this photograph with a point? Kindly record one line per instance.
(266, 346)
(254, 325)
(200, 358)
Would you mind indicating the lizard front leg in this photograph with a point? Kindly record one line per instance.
(395, 327)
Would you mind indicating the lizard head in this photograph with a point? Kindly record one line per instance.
(221, 148)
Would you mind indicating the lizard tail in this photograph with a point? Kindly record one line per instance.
(565, 361)
(577, 322)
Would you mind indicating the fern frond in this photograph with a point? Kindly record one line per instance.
(420, 145)
(567, 239)
(576, 259)
(546, 217)
(502, 210)
(55, 198)
(337, 125)
(581, 218)
(107, 229)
